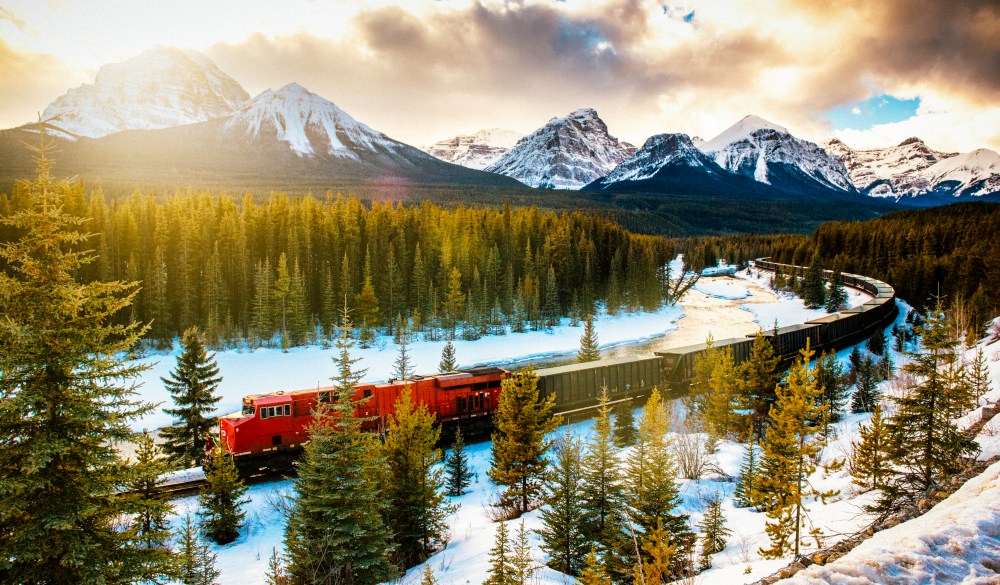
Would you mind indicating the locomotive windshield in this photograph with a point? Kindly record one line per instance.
(248, 409)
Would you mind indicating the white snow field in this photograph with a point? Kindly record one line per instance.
(722, 289)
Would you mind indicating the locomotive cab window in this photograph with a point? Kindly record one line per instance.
(263, 413)
(249, 410)
(288, 410)
(368, 392)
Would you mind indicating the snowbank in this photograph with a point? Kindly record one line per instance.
(957, 541)
(722, 289)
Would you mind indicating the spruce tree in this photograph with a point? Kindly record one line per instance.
(448, 361)
(458, 475)
(660, 551)
(562, 516)
(834, 390)
(746, 483)
(836, 296)
(192, 384)
(402, 369)
(757, 378)
(519, 444)
(979, 375)
(195, 559)
(713, 531)
(367, 307)
(924, 443)
(454, 303)
(589, 351)
(276, 573)
(335, 533)
(700, 388)
(414, 482)
(222, 498)
(147, 501)
(868, 464)
(866, 380)
(593, 572)
(280, 294)
(427, 577)
(602, 481)
(625, 432)
(790, 451)
(66, 399)
(719, 403)
(813, 288)
(856, 360)
(876, 343)
(522, 562)
(501, 571)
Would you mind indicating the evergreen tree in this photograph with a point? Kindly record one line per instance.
(414, 482)
(448, 361)
(713, 531)
(335, 533)
(402, 368)
(562, 518)
(501, 569)
(550, 307)
(979, 375)
(746, 483)
(834, 390)
(280, 294)
(813, 288)
(602, 481)
(427, 577)
(276, 573)
(458, 475)
(222, 498)
(519, 444)
(836, 296)
(658, 549)
(701, 380)
(195, 559)
(866, 380)
(856, 360)
(298, 308)
(192, 385)
(757, 378)
(367, 307)
(625, 432)
(718, 413)
(454, 303)
(66, 400)
(147, 501)
(790, 450)
(924, 443)
(589, 347)
(523, 565)
(876, 343)
(868, 463)
(593, 572)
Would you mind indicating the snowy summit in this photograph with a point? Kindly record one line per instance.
(475, 151)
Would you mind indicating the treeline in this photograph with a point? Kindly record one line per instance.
(279, 271)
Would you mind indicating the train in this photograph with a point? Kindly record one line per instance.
(268, 434)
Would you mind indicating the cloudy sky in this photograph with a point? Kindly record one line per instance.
(871, 72)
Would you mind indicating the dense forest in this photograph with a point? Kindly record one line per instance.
(279, 271)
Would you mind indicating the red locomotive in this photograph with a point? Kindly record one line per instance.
(271, 429)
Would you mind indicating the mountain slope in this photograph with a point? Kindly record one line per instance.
(888, 172)
(161, 88)
(565, 153)
(971, 174)
(475, 151)
(766, 152)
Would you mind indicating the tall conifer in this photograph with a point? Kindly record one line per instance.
(195, 559)
(757, 378)
(589, 347)
(562, 518)
(869, 464)
(222, 498)
(501, 571)
(713, 531)
(192, 384)
(458, 476)
(448, 361)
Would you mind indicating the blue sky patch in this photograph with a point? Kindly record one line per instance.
(882, 109)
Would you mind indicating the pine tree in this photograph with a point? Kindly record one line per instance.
(448, 362)
(625, 432)
(589, 350)
(523, 565)
(713, 531)
(719, 404)
(519, 444)
(454, 302)
(836, 296)
(335, 533)
(979, 375)
(66, 400)
(833, 387)
(924, 444)
(192, 385)
(402, 368)
(550, 307)
(147, 501)
(262, 315)
(414, 481)
(280, 294)
(866, 380)
(876, 343)
(458, 475)
(222, 499)
(868, 463)
(790, 450)
(501, 571)
(602, 481)
(813, 289)
(593, 572)
(746, 483)
(657, 547)
(367, 307)
(276, 573)
(652, 490)
(562, 518)
(856, 360)
(757, 378)
(195, 559)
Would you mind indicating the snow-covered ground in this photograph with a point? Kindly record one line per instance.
(791, 310)
(723, 289)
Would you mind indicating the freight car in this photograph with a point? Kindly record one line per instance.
(271, 429)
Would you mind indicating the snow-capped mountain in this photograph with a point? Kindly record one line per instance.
(475, 151)
(161, 88)
(309, 124)
(769, 154)
(565, 153)
(662, 153)
(970, 174)
(888, 172)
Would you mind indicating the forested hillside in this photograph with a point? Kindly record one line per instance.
(279, 271)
